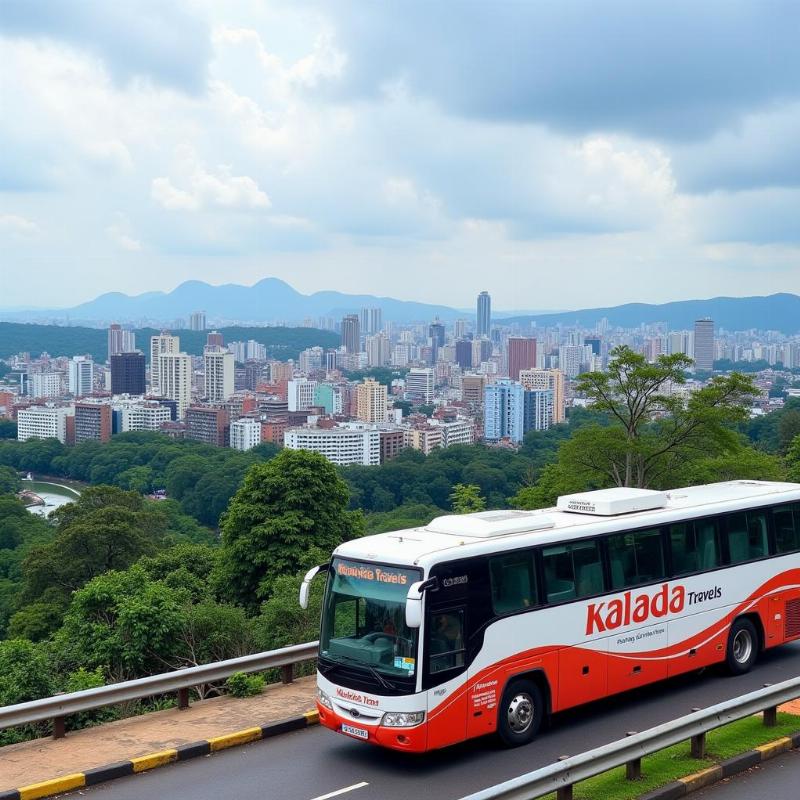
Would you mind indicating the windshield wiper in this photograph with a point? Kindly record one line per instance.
(381, 680)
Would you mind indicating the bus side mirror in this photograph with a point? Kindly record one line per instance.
(305, 586)
(414, 605)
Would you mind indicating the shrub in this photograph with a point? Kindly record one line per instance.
(242, 685)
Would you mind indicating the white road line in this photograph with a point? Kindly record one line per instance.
(341, 791)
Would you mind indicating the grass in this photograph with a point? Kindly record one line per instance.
(676, 762)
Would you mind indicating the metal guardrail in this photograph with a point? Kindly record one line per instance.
(180, 681)
(561, 776)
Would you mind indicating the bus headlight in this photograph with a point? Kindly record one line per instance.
(402, 719)
(324, 700)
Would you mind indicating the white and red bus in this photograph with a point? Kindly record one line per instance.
(488, 622)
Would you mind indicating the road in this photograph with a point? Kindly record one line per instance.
(311, 764)
(778, 779)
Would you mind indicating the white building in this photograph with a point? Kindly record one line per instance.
(378, 349)
(572, 358)
(460, 431)
(43, 422)
(255, 351)
(218, 382)
(311, 360)
(245, 433)
(47, 384)
(81, 376)
(239, 350)
(420, 385)
(540, 380)
(175, 379)
(300, 393)
(139, 415)
(348, 444)
(164, 343)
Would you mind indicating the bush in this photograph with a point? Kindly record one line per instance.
(242, 685)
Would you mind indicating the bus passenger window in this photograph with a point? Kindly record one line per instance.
(747, 536)
(787, 535)
(447, 641)
(694, 546)
(636, 558)
(513, 583)
(572, 571)
(758, 540)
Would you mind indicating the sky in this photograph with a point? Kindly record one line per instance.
(558, 154)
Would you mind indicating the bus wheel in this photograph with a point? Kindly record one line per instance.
(520, 713)
(742, 647)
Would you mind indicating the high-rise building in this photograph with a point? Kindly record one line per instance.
(47, 384)
(311, 360)
(538, 413)
(92, 422)
(464, 353)
(81, 376)
(539, 380)
(197, 321)
(571, 359)
(207, 424)
(521, 355)
(351, 334)
(218, 382)
(372, 400)
(378, 350)
(144, 415)
(420, 385)
(595, 342)
(175, 379)
(704, 344)
(163, 343)
(127, 373)
(350, 444)
(472, 390)
(484, 326)
(371, 320)
(481, 351)
(245, 433)
(504, 411)
(300, 394)
(436, 333)
(43, 422)
(459, 329)
(119, 340)
(214, 339)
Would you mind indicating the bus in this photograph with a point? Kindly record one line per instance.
(490, 622)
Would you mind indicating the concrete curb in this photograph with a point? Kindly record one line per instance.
(724, 769)
(150, 761)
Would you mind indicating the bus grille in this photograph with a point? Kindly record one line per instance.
(792, 618)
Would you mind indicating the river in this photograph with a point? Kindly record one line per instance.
(53, 494)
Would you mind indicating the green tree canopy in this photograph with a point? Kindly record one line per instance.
(286, 513)
(9, 480)
(466, 498)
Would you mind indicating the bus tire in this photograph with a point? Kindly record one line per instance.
(742, 648)
(520, 713)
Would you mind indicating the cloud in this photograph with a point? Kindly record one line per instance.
(17, 225)
(119, 233)
(165, 42)
(208, 190)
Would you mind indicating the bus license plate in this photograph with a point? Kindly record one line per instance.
(359, 733)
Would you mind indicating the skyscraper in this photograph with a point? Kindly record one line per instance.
(504, 411)
(371, 320)
(163, 343)
(371, 401)
(218, 382)
(484, 314)
(538, 380)
(464, 353)
(521, 355)
(704, 344)
(436, 337)
(81, 374)
(351, 334)
(127, 373)
(175, 379)
(120, 341)
(214, 339)
(197, 321)
(378, 350)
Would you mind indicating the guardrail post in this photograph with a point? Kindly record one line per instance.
(770, 715)
(183, 698)
(698, 742)
(287, 673)
(564, 792)
(59, 729)
(633, 769)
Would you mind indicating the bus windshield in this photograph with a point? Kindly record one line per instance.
(363, 620)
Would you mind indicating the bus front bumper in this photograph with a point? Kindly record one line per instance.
(411, 740)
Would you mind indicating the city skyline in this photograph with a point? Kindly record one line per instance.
(272, 140)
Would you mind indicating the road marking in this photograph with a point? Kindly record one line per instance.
(341, 791)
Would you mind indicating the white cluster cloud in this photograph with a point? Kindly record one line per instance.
(395, 147)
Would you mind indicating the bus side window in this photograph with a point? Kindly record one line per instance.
(758, 539)
(787, 535)
(572, 570)
(747, 536)
(636, 558)
(694, 546)
(446, 641)
(513, 583)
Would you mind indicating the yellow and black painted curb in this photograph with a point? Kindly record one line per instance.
(79, 780)
(725, 769)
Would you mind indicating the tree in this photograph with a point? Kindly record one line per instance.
(282, 622)
(466, 498)
(25, 673)
(287, 512)
(8, 429)
(652, 432)
(788, 427)
(9, 480)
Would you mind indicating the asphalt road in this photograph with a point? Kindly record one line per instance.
(314, 763)
(778, 779)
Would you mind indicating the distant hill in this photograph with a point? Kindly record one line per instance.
(777, 312)
(269, 299)
(57, 340)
